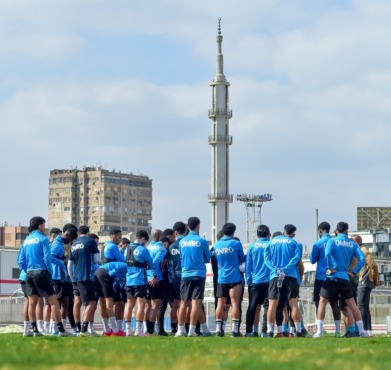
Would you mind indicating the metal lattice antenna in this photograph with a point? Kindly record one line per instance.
(219, 27)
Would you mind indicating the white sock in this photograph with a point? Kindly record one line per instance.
(270, 327)
(337, 326)
(40, 325)
(64, 323)
(204, 328)
(360, 326)
(279, 329)
(224, 323)
(291, 330)
(26, 326)
(46, 326)
(182, 329)
(139, 326)
(128, 325)
(319, 324)
(119, 324)
(219, 323)
(145, 326)
(113, 324)
(156, 327)
(106, 327)
(91, 326)
(53, 327)
(192, 329)
(298, 327)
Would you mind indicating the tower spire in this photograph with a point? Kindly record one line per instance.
(219, 59)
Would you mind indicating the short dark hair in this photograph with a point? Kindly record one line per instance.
(276, 233)
(179, 227)
(84, 230)
(55, 230)
(36, 221)
(93, 236)
(167, 232)
(125, 241)
(71, 232)
(263, 231)
(193, 222)
(324, 226)
(342, 227)
(219, 234)
(289, 229)
(115, 231)
(229, 229)
(68, 226)
(164, 239)
(30, 229)
(142, 234)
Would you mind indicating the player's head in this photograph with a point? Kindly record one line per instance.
(142, 236)
(69, 235)
(342, 227)
(219, 234)
(115, 235)
(170, 233)
(263, 231)
(37, 222)
(289, 230)
(165, 240)
(193, 223)
(84, 230)
(276, 233)
(229, 229)
(179, 228)
(357, 239)
(324, 228)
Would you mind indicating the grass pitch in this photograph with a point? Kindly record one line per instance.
(159, 353)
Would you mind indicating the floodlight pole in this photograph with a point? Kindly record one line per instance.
(253, 204)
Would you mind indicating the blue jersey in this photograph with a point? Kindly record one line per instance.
(195, 253)
(22, 275)
(174, 263)
(157, 252)
(257, 271)
(339, 254)
(318, 256)
(57, 254)
(111, 253)
(35, 253)
(82, 254)
(115, 269)
(282, 253)
(137, 275)
(298, 276)
(229, 254)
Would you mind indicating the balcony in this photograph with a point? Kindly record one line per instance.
(224, 139)
(212, 113)
(212, 198)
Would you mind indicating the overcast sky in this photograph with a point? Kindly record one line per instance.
(125, 84)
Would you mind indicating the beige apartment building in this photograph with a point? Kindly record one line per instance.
(101, 199)
(12, 236)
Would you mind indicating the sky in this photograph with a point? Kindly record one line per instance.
(125, 84)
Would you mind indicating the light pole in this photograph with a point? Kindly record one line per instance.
(253, 204)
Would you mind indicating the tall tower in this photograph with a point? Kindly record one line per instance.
(220, 142)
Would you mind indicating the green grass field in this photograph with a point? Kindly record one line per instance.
(17, 352)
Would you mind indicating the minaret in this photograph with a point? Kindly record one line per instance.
(220, 142)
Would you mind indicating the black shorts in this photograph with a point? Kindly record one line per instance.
(317, 286)
(173, 293)
(104, 284)
(39, 283)
(68, 289)
(192, 289)
(258, 293)
(222, 290)
(23, 286)
(59, 289)
(137, 291)
(290, 289)
(156, 292)
(333, 289)
(87, 291)
(75, 289)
